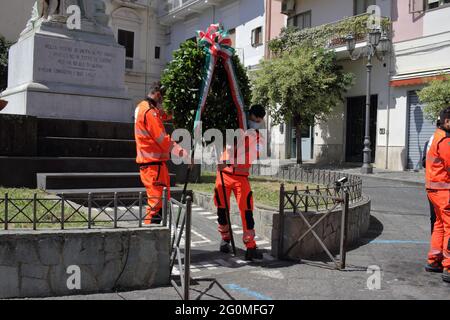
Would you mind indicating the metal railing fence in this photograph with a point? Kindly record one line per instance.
(77, 211)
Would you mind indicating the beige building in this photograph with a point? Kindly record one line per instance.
(135, 25)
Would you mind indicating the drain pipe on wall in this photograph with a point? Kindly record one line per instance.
(388, 131)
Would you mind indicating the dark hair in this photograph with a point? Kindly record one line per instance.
(157, 88)
(258, 111)
(445, 114)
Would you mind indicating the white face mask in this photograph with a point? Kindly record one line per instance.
(255, 125)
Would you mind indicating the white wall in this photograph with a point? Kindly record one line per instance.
(244, 15)
(13, 17)
(436, 21)
(427, 53)
(334, 131)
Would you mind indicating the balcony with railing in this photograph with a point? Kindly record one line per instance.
(136, 4)
(178, 9)
(332, 35)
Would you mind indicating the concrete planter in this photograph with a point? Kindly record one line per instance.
(35, 264)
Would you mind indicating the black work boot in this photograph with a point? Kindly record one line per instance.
(435, 267)
(225, 246)
(253, 254)
(446, 275)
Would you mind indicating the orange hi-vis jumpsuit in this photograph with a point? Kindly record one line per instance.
(153, 151)
(438, 189)
(235, 178)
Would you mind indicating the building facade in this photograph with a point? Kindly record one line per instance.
(420, 51)
(135, 25)
(245, 20)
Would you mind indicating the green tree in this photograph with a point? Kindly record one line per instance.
(183, 79)
(4, 47)
(435, 96)
(301, 85)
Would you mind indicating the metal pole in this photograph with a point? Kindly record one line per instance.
(164, 207)
(281, 223)
(115, 210)
(367, 152)
(344, 228)
(228, 214)
(34, 211)
(89, 210)
(140, 209)
(6, 211)
(187, 249)
(62, 212)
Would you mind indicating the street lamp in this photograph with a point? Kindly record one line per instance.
(377, 43)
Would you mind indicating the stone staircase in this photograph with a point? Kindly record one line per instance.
(72, 156)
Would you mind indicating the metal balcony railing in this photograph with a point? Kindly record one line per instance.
(178, 4)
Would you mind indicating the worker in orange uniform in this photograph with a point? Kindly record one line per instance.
(154, 147)
(438, 189)
(234, 178)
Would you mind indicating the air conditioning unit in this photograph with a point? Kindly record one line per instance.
(288, 7)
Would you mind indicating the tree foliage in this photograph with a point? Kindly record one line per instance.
(325, 35)
(301, 85)
(4, 47)
(183, 79)
(436, 97)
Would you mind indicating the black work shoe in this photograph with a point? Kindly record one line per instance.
(446, 275)
(225, 246)
(435, 267)
(253, 254)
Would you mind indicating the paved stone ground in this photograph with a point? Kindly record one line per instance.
(397, 242)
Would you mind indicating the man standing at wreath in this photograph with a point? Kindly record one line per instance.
(232, 176)
(438, 190)
(154, 147)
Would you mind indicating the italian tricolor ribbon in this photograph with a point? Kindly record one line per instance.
(217, 44)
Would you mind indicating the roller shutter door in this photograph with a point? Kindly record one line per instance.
(420, 130)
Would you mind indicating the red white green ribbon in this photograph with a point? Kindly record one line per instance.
(217, 44)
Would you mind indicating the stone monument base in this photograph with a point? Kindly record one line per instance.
(59, 73)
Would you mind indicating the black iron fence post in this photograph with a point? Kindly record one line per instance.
(140, 209)
(89, 210)
(115, 210)
(187, 249)
(34, 212)
(344, 229)
(62, 211)
(6, 211)
(164, 207)
(281, 223)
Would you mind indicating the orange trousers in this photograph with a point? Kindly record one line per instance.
(240, 186)
(440, 245)
(155, 178)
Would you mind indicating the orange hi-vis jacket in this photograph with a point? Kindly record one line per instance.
(244, 155)
(438, 162)
(152, 142)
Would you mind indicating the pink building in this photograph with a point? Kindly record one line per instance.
(420, 35)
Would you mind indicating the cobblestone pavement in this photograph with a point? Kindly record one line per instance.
(397, 243)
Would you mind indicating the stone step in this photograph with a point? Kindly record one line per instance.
(84, 129)
(98, 180)
(104, 196)
(20, 172)
(86, 147)
(87, 129)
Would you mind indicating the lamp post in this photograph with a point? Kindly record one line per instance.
(377, 42)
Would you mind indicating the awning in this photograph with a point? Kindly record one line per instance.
(415, 81)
